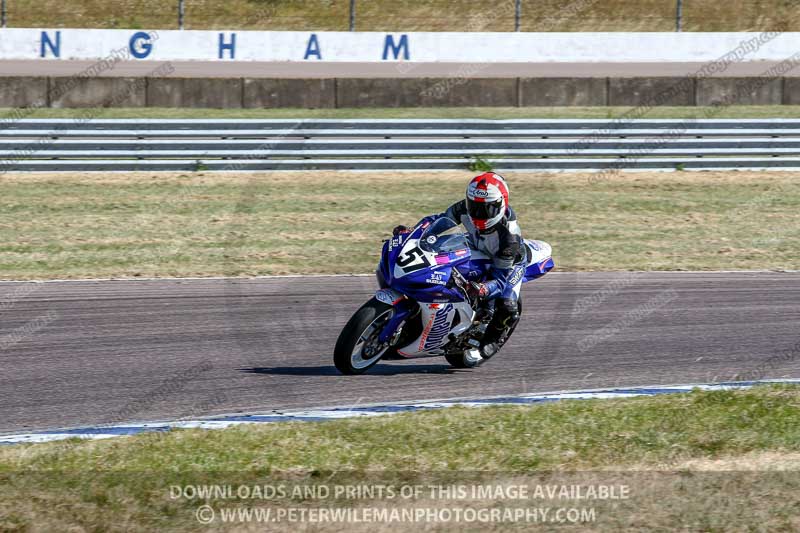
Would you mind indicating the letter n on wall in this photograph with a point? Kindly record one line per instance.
(55, 47)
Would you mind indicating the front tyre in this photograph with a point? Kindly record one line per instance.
(357, 348)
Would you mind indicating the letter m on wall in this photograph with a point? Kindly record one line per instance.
(396, 48)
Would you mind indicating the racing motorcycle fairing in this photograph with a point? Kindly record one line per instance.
(403, 308)
(539, 259)
(439, 320)
(415, 273)
(538, 263)
(419, 264)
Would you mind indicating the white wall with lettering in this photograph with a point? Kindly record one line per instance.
(270, 46)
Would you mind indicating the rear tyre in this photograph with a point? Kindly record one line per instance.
(357, 349)
(456, 360)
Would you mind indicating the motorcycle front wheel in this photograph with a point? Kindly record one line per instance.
(358, 349)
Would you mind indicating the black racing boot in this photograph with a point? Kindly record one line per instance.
(488, 350)
(500, 328)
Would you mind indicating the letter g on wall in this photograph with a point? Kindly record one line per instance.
(140, 45)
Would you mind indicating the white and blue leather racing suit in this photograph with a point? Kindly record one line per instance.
(504, 244)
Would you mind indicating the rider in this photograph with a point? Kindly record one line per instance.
(492, 229)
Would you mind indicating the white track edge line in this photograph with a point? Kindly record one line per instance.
(223, 421)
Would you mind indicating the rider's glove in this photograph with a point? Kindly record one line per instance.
(477, 290)
(400, 229)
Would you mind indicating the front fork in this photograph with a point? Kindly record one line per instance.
(402, 310)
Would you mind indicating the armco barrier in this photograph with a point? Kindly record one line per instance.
(554, 145)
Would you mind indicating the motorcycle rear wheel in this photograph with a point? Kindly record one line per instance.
(357, 349)
(456, 360)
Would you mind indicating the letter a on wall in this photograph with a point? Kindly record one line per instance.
(312, 48)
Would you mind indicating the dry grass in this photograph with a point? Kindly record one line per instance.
(124, 484)
(203, 224)
(750, 462)
(410, 15)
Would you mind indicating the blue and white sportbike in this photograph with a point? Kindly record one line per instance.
(423, 307)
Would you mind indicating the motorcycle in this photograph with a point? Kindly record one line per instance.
(423, 307)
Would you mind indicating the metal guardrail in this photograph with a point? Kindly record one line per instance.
(180, 145)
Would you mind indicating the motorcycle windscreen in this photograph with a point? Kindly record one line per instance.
(446, 239)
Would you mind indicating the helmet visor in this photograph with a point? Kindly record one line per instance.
(484, 210)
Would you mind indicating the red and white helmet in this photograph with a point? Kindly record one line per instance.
(487, 200)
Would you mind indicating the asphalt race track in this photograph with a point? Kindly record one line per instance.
(86, 353)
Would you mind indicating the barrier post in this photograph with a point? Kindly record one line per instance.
(679, 16)
(352, 15)
(517, 14)
(181, 14)
(3, 13)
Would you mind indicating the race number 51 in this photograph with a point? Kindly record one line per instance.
(413, 260)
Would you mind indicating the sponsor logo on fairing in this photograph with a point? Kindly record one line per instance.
(388, 296)
(445, 258)
(436, 278)
(516, 276)
(437, 328)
